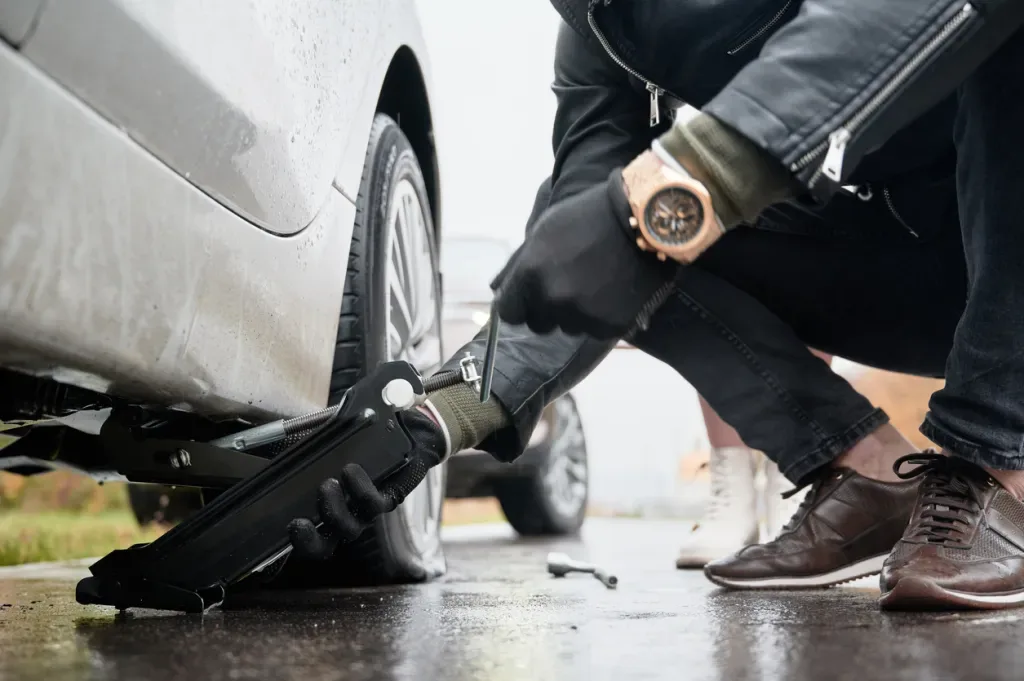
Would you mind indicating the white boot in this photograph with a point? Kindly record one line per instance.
(778, 511)
(730, 520)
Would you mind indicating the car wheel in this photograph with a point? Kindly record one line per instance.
(553, 499)
(391, 310)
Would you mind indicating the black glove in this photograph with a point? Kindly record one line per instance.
(580, 269)
(350, 503)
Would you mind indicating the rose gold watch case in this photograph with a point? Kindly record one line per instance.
(647, 177)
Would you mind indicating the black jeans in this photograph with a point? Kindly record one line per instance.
(882, 279)
(979, 414)
(740, 322)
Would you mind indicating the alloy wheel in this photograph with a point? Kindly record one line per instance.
(565, 478)
(414, 335)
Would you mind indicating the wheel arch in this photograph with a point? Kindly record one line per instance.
(404, 98)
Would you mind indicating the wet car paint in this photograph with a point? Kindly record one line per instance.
(261, 104)
(498, 615)
(17, 17)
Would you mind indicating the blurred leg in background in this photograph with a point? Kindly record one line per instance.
(736, 502)
(730, 519)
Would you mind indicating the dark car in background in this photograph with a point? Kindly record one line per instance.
(545, 491)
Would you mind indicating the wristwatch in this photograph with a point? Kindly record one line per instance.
(672, 211)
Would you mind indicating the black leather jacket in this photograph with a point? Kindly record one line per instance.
(836, 79)
(870, 67)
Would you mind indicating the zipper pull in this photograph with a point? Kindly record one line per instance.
(655, 103)
(832, 168)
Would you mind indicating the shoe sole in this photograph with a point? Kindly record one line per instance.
(698, 562)
(687, 565)
(865, 568)
(692, 563)
(916, 594)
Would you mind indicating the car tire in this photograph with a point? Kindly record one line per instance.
(395, 549)
(552, 500)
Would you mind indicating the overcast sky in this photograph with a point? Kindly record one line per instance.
(492, 72)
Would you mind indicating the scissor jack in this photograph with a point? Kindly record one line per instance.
(243, 531)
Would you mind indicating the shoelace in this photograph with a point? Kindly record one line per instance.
(950, 497)
(808, 501)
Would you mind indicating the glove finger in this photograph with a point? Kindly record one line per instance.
(518, 292)
(559, 313)
(572, 327)
(308, 542)
(512, 302)
(335, 512)
(508, 269)
(408, 479)
(565, 314)
(600, 330)
(542, 323)
(364, 495)
(574, 321)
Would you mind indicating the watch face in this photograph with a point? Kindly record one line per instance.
(674, 216)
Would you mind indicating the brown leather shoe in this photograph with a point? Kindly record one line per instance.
(843, 530)
(964, 546)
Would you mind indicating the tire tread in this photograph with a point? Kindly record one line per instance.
(365, 561)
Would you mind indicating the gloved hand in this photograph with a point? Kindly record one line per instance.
(580, 269)
(349, 503)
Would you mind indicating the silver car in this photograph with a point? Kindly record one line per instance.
(214, 212)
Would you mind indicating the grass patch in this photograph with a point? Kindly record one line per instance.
(45, 536)
(40, 537)
(61, 491)
(62, 516)
(30, 537)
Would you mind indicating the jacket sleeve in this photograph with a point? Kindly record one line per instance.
(602, 118)
(842, 77)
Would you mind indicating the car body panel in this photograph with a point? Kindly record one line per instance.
(401, 20)
(119, 276)
(256, 102)
(17, 18)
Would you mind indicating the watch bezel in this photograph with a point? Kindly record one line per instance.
(692, 231)
(682, 252)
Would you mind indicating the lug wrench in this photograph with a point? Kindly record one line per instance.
(560, 565)
(492, 346)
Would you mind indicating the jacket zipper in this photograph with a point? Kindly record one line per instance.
(896, 213)
(834, 148)
(652, 87)
(764, 29)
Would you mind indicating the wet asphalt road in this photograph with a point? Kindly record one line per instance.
(498, 616)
